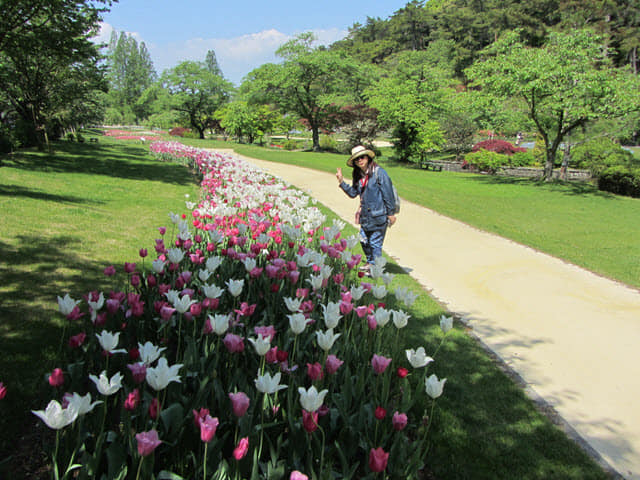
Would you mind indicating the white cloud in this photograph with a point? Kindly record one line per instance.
(236, 56)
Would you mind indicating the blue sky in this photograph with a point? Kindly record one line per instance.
(243, 33)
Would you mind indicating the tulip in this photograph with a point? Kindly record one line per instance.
(402, 372)
(241, 449)
(239, 403)
(378, 459)
(297, 322)
(379, 363)
(309, 421)
(55, 416)
(212, 291)
(82, 404)
(175, 255)
(311, 400)
(380, 413)
(109, 271)
(434, 386)
(296, 475)
(67, 304)
(314, 371)
(331, 313)
(418, 358)
(208, 426)
(268, 384)
(382, 316)
(154, 408)
(379, 291)
(149, 353)
(235, 287)
(105, 385)
(268, 331)
(95, 306)
(446, 324)
(261, 345)
(3, 390)
(400, 318)
(326, 339)
(162, 375)
(219, 323)
(293, 304)
(183, 304)
(132, 400)
(399, 421)
(77, 340)
(147, 442)
(109, 341)
(332, 364)
(139, 371)
(213, 263)
(56, 378)
(356, 292)
(233, 343)
(158, 265)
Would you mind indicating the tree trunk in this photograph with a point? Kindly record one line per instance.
(565, 161)
(547, 174)
(315, 134)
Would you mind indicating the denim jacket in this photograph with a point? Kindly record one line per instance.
(376, 199)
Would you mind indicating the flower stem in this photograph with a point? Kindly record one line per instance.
(204, 475)
(139, 468)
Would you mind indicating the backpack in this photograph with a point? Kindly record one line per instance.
(396, 198)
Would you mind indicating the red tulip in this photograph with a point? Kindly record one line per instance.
(378, 459)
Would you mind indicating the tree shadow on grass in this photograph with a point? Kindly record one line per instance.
(35, 194)
(483, 410)
(567, 188)
(121, 161)
(34, 271)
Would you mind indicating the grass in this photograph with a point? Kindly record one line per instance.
(65, 217)
(573, 221)
(68, 215)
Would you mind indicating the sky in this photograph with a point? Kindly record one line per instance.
(244, 33)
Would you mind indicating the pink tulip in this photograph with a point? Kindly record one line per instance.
(399, 421)
(110, 271)
(143, 252)
(208, 426)
(129, 267)
(77, 340)
(162, 230)
(199, 415)
(314, 371)
(296, 475)
(234, 343)
(380, 363)
(332, 364)
(147, 442)
(241, 450)
(268, 331)
(239, 403)
(362, 310)
(56, 378)
(132, 400)
(309, 421)
(154, 408)
(371, 322)
(3, 391)
(378, 459)
(139, 371)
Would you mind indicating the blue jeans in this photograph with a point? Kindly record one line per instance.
(371, 242)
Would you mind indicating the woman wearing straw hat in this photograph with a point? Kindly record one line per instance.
(377, 203)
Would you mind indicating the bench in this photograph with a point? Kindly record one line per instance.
(436, 167)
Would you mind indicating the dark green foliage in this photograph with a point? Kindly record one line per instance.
(621, 180)
(599, 154)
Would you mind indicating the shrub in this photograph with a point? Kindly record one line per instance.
(599, 154)
(498, 146)
(178, 131)
(79, 137)
(486, 160)
(290, 144)
(523, 159)
(621, 180)
(328, 143)
(70, 136)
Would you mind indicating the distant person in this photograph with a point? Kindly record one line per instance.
(518, 139)
(372, 183)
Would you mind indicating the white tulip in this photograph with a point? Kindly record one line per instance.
(162, 375)
(331, 312)
(400, 318)
(109, 341)
(82, 404)
(418, 358)
(55, 416)
(235, 286)
(175, 255)
(357, 292)
(212, 291)
(311, 400)
(149, 353)
(213, 263)
(219, 323)
(293, 304)
(268, 384)
(382, 316)
(107, 386)
(183, 304)
(297, 322)
(158, 265)
(67, 304)
(379, 291)
(204, 275)
(434, 386)
(446, 324)
(261, 344)
(327, 339)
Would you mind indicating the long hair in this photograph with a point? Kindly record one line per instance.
(357, 174)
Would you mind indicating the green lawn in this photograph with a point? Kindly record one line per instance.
(66, 216)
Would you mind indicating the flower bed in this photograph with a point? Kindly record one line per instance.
(249, 347)
(129, 135)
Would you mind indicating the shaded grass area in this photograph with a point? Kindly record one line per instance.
(66, 215)
(569, 220)
(62, 227)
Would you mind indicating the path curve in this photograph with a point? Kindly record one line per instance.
(571, 335)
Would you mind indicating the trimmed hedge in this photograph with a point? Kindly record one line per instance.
(620, 180)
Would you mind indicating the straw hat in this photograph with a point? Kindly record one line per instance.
(359, 151)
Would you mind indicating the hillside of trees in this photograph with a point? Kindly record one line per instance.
(432, 75)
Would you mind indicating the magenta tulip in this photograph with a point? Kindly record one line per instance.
(239, 403)
(147, 442)
(378, 459)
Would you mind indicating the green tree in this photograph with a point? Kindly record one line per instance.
(311, 83)
(563, 85)
(196, 93)
(211, 62)
(409, 100)
(243, 120)
(48, 66)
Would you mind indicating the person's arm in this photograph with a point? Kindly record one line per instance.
(350, 190)
(387, 195)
